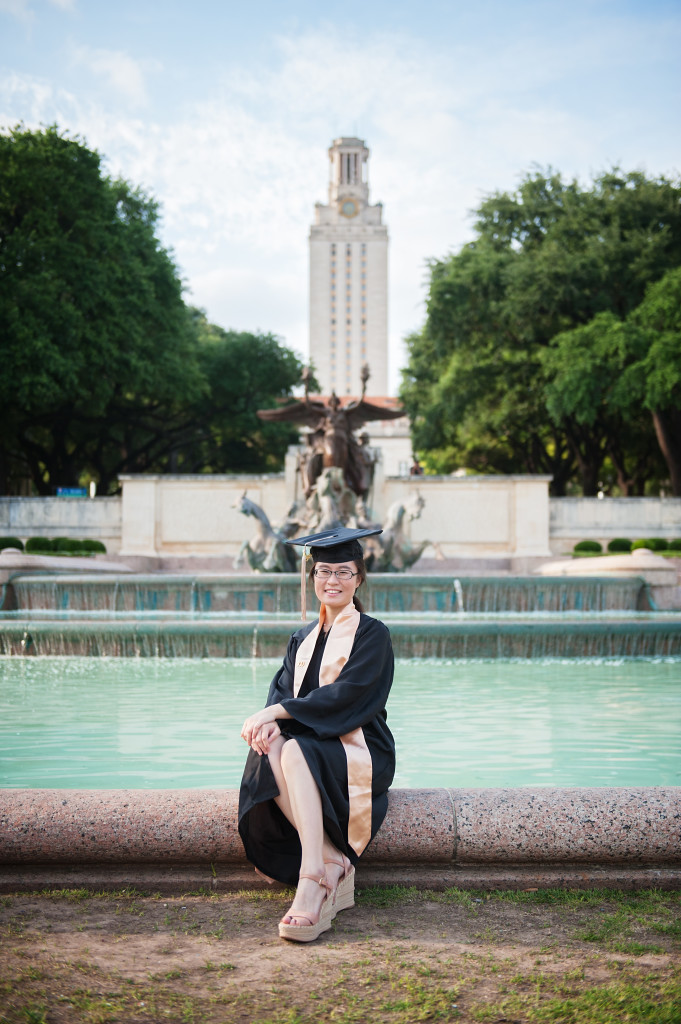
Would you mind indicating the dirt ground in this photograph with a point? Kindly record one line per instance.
(399, 955)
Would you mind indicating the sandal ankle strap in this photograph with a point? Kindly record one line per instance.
(323, 881)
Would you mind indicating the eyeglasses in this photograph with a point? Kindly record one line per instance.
(340, 574)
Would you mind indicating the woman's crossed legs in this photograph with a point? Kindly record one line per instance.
(300, 801)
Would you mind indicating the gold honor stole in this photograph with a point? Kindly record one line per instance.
(336, 652)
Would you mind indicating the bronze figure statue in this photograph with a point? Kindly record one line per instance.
(331, 441)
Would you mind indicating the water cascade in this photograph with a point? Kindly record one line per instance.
(252, 616)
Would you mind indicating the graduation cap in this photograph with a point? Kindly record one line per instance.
(337, 544)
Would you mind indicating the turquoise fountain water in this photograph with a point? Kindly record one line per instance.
(143, 681)
(174, 723)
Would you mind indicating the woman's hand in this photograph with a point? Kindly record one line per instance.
(262, 739)
(254, 723)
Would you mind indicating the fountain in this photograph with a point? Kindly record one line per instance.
(480, 837)
(175, 840)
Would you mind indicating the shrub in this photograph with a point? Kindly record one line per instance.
(588, 545)
(65, 544)
(94, 546)
(39, 544)
(675, 545)
(619, 544)
(11, 542)
(652, 543)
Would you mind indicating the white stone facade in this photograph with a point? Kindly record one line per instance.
(349, 278)
(483, 517)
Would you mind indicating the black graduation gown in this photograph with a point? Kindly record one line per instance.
(320, 715)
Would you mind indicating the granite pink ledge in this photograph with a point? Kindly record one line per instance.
(604, 825)
(423, 827)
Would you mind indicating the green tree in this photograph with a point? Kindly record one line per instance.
(96, 348)
(589, 392)
(655, 373)
(104, 370)
(546, 259)
(244, 372)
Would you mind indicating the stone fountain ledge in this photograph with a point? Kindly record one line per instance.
(15, 563)
(174, 841)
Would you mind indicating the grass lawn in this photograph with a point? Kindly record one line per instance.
(401, 955)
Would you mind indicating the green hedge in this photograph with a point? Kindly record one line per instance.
(11, 542)
(618, 544)
(652, 543)
(588, 545)
(39, 545)
(64, 546)
(675, 545)
(94, 546)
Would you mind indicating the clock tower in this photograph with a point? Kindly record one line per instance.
(349, 278)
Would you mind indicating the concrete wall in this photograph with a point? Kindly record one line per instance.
(574, 519)
(467, 516)
(194, 515)
(95, 518)
(476, 516)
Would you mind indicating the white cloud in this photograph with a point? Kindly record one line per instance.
(125, 75)
(19, 9)
(238, 171)
(22, 10)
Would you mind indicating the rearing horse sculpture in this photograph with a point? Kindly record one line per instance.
(267, 551)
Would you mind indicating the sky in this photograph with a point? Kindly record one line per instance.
(224, 113)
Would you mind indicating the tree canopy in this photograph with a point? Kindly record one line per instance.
(104, 369)
(520, 366)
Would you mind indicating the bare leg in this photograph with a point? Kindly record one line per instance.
(283, 801)
(300, 801)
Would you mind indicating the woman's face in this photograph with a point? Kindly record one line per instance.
(335, 592)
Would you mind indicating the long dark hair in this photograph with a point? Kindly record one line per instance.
(361, 572)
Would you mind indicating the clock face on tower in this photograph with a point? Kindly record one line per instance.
(349, 208)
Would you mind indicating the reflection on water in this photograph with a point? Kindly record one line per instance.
(163, 723)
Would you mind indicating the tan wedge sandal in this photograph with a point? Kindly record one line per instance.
(343, 896)
(310, 932)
